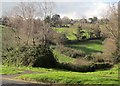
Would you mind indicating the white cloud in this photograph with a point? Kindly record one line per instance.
(76, 10)
(0, 9)
(71, 15)
(86, 10)
(60, 0)
(99, 10)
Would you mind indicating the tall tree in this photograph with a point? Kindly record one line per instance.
(47, 10)
(21, 18)
(95, 19)
(28, 13)
(111, 30)
(56, 21)
(91, 20)
(47, 19)
(83, 20)
(65, 20)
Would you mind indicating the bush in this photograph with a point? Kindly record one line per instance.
(101, 57)
(82, 61)
(70, 52)
(103, 65)
(98, 57)
(37, 56)
(85, 67)
(89, 58)
(76, 67)
(116, 57)
(57, 38)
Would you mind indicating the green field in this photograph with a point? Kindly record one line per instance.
(49, 75)
(68, 77)
(90, 46)
(63, 58)
(68, 31)
(65, 77)
(17, 70)
(10, 70)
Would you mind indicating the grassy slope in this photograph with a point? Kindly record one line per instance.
(88, 46)
(91, 46)
(68, 31)
(63, 58)
(58, 76)
(10, 70)
(17, 70)
(67, 77)
(8, 37)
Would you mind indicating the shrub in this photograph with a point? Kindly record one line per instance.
(76, 67)
(38, 56)
(91, 67)
(57, 38)
(116, 57)
(70, 52)
(89, 58)
(103, 65)
(101, 57)
(98, 57)
(82, 61)
(111, 50)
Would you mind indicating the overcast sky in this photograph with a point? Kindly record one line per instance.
(72, 8)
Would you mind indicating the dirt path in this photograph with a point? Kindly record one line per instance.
(15, 75)
(10, 78)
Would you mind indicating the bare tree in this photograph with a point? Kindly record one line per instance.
(21, 18)
(26, 18)
(111, 31)
(47, 9)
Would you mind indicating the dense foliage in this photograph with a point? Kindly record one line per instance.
(38, 56)
(70, 52)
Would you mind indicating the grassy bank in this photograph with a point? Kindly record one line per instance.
(63, 58)
(90, 46)
(10, 70)
(68, 31)
(68, 77)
